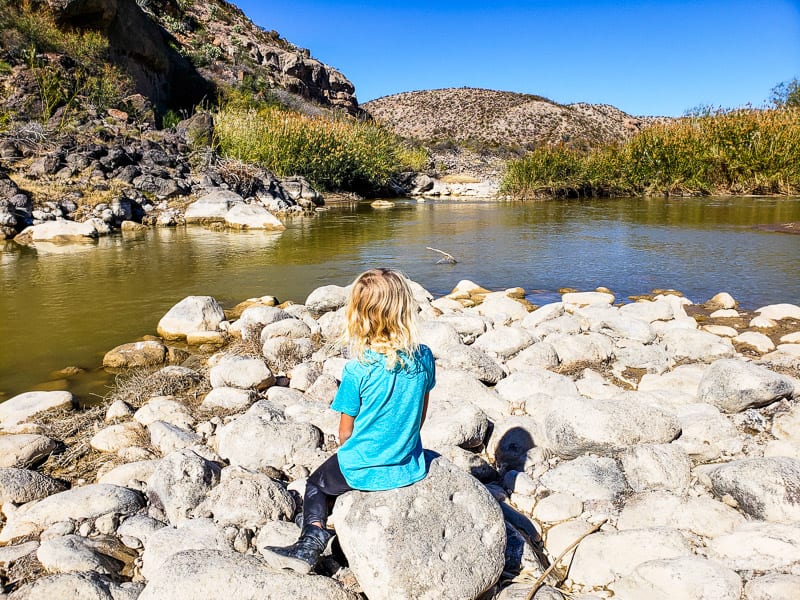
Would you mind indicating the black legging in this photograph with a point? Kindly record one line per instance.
(323, 486)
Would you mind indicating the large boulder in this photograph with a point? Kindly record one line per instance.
(241, 372)
(213, 207)
(208, 574)
(191, 534)
(504, 342)
(73, 553)
(279, 444)
(76, 586)
(758, 546)
(137, 354)
(246, 499)
(696, 345)
(454, 423)
(86, 502)
(604, 556)
(24, 449)
(442, 537)
(63, 231)
(22, 407)
(680, 578)
(472, 360)
(179, 483)
(657, 467)
(326, 298)
(192, 314)
(764, 488)
(21, 485)
(460, 386)
(587, 478)
(576, 426)
(252, 216)
(734, 385)
(700, 515)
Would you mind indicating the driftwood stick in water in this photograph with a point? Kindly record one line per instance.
(544, 575)
(447, 257)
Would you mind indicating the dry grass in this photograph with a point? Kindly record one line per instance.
(50, 190)
(459, 178)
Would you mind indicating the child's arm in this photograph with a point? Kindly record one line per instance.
(424, 410)
(345, 427)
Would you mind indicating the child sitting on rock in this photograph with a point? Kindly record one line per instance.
(383, 398)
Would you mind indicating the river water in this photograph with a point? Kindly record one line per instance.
(67, 305)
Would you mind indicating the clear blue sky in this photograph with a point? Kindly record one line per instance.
(647, 58)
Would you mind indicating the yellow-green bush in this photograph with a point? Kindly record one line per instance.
(740, 152)
(336, 153)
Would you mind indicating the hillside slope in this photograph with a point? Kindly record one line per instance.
(504, 120)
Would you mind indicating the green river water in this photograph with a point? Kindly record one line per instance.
(67, 305)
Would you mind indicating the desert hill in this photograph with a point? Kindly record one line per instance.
(489, 119)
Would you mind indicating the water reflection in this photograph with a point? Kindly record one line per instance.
(63, 306)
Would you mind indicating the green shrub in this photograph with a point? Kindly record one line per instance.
(744, 151)
(338, 153)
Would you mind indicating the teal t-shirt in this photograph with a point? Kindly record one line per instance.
(385, 450)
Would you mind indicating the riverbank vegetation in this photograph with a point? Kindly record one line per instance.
(742, 151)
(335, 152)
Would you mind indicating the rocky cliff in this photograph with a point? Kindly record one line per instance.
(176, 53)
(489, 119)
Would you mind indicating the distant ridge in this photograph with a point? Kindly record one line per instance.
(504, 120)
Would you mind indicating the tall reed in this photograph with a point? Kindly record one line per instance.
(745, 151)
(339, 153)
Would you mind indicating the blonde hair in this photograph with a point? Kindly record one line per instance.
(381, 316)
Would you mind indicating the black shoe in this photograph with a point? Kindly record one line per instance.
(301, 556)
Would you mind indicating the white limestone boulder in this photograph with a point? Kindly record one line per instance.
(136, 354)
(764, 488)
(254, 318)
(73, 553)
(453, 423)
(228, 399)
(443, 537)
(582, 348)
(438, 336)
(778, 312)
(22, 450)
(86, 502)
(166, 409)
(22, 407)
(279, 444)
(252, 216)
(649, 310)
(758, 546)
(77, 586)
(132, 475)
(681, 578)
(517, 386)
(694, 345)
(587, 298)
(605, 556)
(169, 438)
(684, 378)
(657, 467)
(504, 342)
(212, 207)
(22, 485)
(246, 499)
(541, 355)
(577, 426)
(242, 372)
(463, 386)
(327, 298)
(193, 313)
(587, 478)
(192, 534)
(700, 515)
(734, 385)
(773, 586)
(115, 437)
(706, 434)
(180, 482)
(205, 574)
(473, 360)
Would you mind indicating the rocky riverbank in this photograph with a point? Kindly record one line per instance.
(676, 426)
